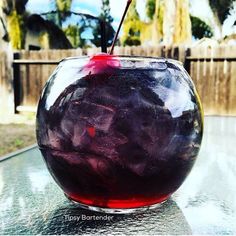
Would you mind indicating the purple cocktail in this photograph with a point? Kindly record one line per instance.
(119, 132)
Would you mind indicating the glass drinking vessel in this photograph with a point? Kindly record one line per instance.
(119, 134)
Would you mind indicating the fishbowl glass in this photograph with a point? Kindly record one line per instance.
(119, 134)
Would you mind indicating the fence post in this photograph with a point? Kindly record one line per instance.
(16, 81)
(175, 53)
(187, 61)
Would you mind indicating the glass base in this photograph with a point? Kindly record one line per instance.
(116, 210)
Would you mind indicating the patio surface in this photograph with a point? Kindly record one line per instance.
(32, 203)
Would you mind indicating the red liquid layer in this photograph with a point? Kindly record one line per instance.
(97, 181)
(118, 204)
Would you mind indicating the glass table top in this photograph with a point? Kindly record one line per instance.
(32, 203)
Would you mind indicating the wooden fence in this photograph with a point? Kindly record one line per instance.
(6, 86)
(213, 70)
(31, 71)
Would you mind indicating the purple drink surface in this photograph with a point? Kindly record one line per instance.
(119, 134)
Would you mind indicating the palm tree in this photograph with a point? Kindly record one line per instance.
(200, 29)
(221, 10)
(15, 16)
(132, 27)
(63, 7)
(150, 8)
(169, 22)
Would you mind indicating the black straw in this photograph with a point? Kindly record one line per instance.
(118, 31)
(103, 36)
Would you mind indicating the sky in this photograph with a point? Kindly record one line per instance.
(87, 6)
(198, 8)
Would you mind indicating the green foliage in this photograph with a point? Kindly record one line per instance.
(106, 12)
(132, 27)
(63, 7)
(15, 11)
(107, 18)
(160, 16)
(14, 5)
(18, 142)
(44, 40)
(200, 29)
(221, 8)
(132, 13)
(49, 34)
(16, 30)
(132, 41)
(72, 32)
(150, 8)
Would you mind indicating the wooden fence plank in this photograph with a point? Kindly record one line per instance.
(6, 86)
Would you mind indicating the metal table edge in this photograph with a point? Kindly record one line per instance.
(13, 154)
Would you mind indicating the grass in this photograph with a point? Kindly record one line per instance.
(15, 136)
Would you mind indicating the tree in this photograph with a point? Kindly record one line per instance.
(73, 33)
(49, 35)
(62, 11)
(14, 5)
(221, 10)
(169, 22)
(157, 27)
(63, 7)
(106, 17)
(16, 30)
(15, 16)
(132, 27)
(150, 8)
(19, 22)
(182, 27)
(200, 29)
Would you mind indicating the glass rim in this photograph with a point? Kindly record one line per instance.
(128, 58)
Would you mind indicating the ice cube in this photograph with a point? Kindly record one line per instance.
(138, 169)
(80, 138)
(67, 127)
(74, 128)
(96, 115)
(180, 145)
(134, 157)
(73, 158)
(106, 144)
(100, 171)
(55, 139)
